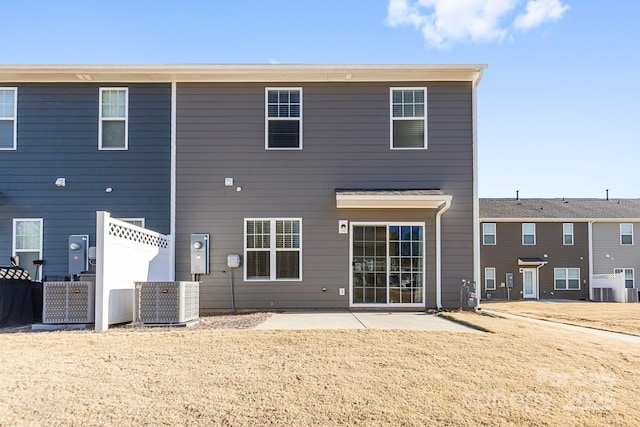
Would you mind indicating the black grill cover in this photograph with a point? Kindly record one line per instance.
(20, 298)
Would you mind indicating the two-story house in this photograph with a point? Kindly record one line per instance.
(340, 186)
(551, 248)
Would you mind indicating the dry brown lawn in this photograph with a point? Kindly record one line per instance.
(609, 316)
(523, 374)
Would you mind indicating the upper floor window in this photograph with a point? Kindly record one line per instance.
(567, 234)
(408, 118)
(114, 119)
(626, 234)
(629, 279)
(528, 234)
(8, 112)
(134, 221)
(490, 279)
(284, 118)
(566, 278)
(273, 249)
(489, 233)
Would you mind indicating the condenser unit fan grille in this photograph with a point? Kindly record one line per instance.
(166, 302)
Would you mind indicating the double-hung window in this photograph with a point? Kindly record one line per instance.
(273, 249)
(629, 279)
(490, 279)
(8, 112)
(626, 234)
(114, 119)
(566, 278)
(27, 243)
(489, 233)
(283, 128)
(408, 118)
(567, 234)
(528, 233)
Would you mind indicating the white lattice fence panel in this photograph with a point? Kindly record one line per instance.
(126, 254)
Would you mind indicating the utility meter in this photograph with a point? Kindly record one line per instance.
(78, 253)
(199, 254)
(233, 260)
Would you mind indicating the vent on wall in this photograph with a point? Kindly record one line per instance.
(166, 302)
(68, 302)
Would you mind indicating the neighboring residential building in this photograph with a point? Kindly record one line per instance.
(71, 145)
(553, 247)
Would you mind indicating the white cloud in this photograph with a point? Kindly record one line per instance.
(538, 12)
(445, 22)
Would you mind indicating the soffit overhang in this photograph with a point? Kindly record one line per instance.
(222, 73)
(391, 199)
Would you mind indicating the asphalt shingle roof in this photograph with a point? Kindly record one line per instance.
(560, 208)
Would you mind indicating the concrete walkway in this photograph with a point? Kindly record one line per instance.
(362, 320)
(616, 335)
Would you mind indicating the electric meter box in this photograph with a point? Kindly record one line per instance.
(199, 254)
(78, 253)
(233, 260)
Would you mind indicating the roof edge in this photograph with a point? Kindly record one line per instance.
(241, 73)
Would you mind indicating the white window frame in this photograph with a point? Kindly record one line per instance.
(14, 119)
(624, 271)
(566, 280)
(125, 119)
(134, 221)
(626, 234)
(15, 251)
(267, 119)
(488, 270)
(485, 234)
(565, 234)
(529, 234)
(272, 250)
(392, 119)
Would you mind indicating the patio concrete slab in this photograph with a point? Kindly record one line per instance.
(311, 320)
(362, 320)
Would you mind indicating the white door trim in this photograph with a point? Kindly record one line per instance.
(535, 285)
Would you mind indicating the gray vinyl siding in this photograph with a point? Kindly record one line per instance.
(58, 137)
(606, 240)
(503, 256)
(346, 144)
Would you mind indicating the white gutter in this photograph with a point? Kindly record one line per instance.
(240, 73)
(446, 207)
(172, 207)
(533, 219)
(476, 200)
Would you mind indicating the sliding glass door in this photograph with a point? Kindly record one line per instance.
(387, 264)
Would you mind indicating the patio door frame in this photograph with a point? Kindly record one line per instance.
(387, 224)
(534, 285)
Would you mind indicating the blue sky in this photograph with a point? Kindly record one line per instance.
(557, 106)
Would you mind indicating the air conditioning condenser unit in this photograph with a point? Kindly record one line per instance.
(166, 302)
(68, 302)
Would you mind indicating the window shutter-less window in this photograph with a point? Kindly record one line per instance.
(284, 111)
(408, 118)
(7, 118)
(114, 118)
